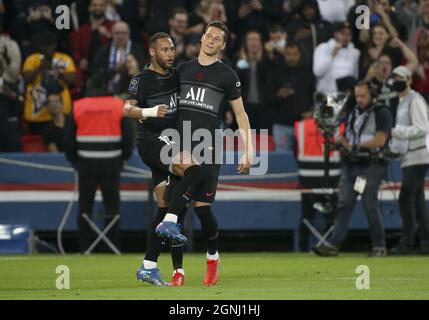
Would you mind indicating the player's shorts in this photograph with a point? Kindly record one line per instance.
(205, 192)
(149, 147)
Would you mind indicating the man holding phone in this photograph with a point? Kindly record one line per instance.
(289, 90)
(335, 59)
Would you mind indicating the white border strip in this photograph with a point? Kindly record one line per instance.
(136, 196)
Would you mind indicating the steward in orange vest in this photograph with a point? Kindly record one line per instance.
(98, 141)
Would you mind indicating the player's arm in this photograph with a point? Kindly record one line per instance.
(245, 133)
(131, 110)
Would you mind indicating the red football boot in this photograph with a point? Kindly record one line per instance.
(178, 279)
(212, 272)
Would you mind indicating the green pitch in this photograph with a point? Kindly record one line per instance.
(243, 276)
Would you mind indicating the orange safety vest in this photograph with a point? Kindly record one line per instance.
(99, 131)
(310, 150)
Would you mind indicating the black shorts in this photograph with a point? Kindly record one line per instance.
(205, 192)
(149, 146)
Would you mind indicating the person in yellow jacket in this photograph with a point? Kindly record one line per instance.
(46, 71)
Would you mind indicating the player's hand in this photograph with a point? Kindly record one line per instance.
(162, 110)
(245, 164)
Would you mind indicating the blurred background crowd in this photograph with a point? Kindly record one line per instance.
(282, 50)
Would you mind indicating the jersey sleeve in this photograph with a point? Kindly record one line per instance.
(233, 85)
(135, 89)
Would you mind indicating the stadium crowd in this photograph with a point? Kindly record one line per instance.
(282, 50)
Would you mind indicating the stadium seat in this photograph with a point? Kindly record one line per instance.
(33, 143)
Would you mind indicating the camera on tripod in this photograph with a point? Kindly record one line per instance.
(327, 113)
(328, 110)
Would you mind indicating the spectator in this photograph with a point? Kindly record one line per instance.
(110, 59)
(413, 16)
(45, 71)
(290, 90)
(159, 13)
(333, 11)
(275, 46)
(38, 18)
(335, 59)
(87, 40)
(53, 133)
(12, 13)
(252, 68)
(379, 75)
(205, 12)
(380, 16)
(393, 18)
(10, 64)
(381, 43)
(178, 24)
(135, 13)
(79, 14)
(421, 49)
(133, 65)
(308, 28)
(192, 48)
(257, 14)
(112, 10)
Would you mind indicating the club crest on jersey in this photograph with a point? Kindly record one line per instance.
(199, 96)
(134, 85)
(199, 76)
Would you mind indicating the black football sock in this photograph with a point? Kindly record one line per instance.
(177, 250)
(154, 245)
(182, 193)
(209, 226)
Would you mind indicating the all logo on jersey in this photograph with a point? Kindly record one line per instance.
(196, 96)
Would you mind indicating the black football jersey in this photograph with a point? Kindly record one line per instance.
(150, 88)
(203, 93)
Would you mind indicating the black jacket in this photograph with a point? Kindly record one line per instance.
(288, 110)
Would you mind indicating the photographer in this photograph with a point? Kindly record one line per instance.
(46, 71)
(368, 129)
(409, 140)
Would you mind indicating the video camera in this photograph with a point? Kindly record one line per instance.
(374, 156)
(327, 110)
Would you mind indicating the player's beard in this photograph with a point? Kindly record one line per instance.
(163, 64)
